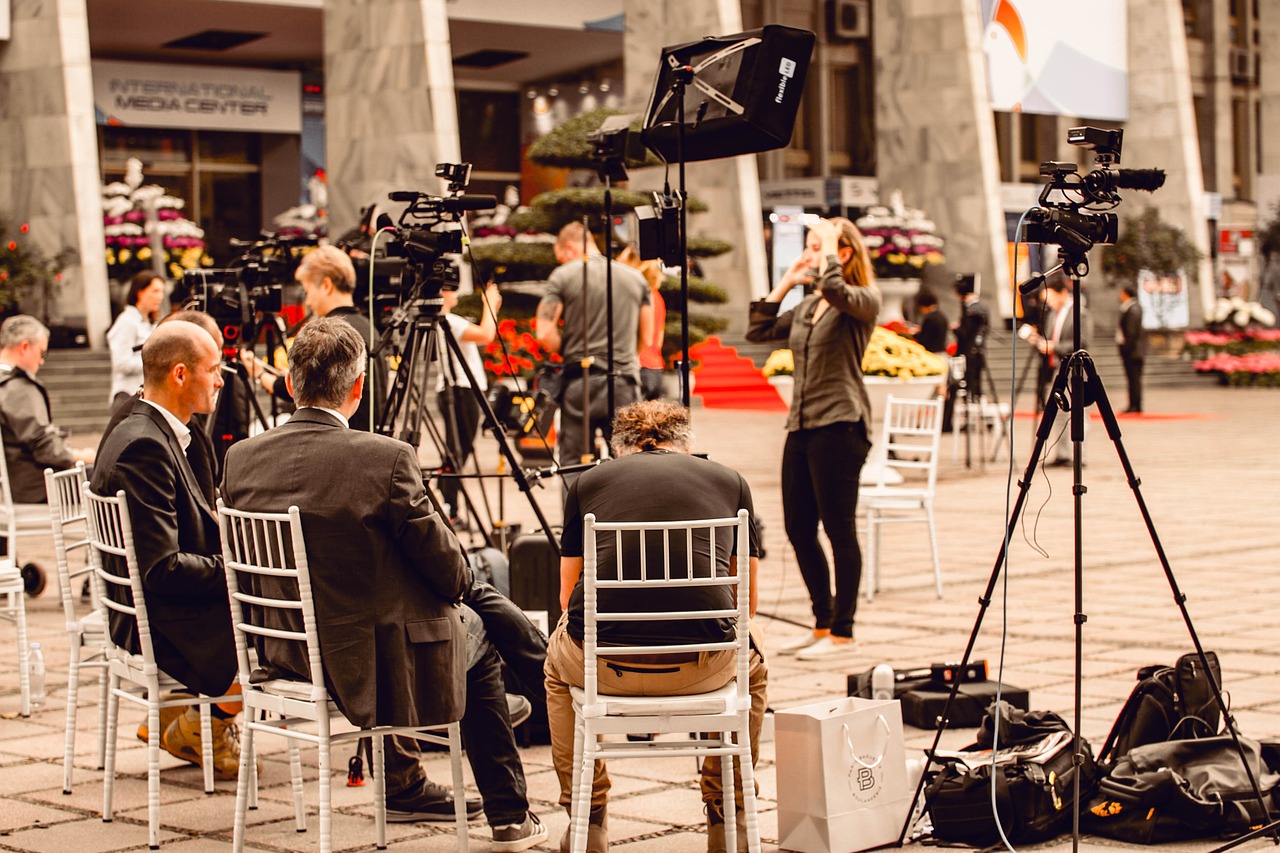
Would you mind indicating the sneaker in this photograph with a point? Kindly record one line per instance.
(518, 710)
(182, 740)
(427, 802)
(827, 647)
(715, 828)
(597, 833)
(517, 837)
(790, 647)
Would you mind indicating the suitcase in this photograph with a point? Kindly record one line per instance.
(535, 576)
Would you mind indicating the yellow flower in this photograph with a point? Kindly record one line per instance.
(779, 363)
(890, 354)
(144, 253)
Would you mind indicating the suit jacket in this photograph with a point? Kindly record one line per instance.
(31, 442)
(971, 334)
(179, 554)
(386, 571)
(1133, 336)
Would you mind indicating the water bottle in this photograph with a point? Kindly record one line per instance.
(882, 682)
(35, 669)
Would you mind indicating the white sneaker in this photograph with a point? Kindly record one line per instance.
(825, 648)
(804, 641)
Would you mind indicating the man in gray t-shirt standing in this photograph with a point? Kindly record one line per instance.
(583, 308)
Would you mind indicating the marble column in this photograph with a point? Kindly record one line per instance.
(49, 173)
(390, 113)
(935, 134)
(731, 186)
(1268, 129)
(1161, 130)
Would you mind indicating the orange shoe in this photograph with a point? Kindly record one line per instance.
(182, 740)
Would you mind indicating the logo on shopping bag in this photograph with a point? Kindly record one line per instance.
(866, 783)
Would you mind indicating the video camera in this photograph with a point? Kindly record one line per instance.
(253, 285)
(416, 269)
(1080, 218)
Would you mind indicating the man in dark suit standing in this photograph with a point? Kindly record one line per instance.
(1131, 337)
(971, 344)
(388, 578)
(176, 533)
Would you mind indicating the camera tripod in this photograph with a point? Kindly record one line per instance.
(1077, 386)
(426, 327)
(974, 407)
(238, 408)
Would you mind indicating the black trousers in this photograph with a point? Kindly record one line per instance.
(461, 412)
(1133, 373)
(573, 442)
(820, 470)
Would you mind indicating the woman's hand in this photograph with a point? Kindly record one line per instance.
(826, 231)
(799, 273)
(492, 296)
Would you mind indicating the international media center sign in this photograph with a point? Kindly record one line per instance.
(192, 97)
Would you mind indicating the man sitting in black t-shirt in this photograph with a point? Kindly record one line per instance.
(654, 479)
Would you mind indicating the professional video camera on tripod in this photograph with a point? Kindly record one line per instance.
(405, 294)
(244, 300)
(1075, 214)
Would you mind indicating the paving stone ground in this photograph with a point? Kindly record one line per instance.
(1209, 467)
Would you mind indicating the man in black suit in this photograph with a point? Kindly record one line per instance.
(971, 344)
(388, 578)
(176, 533)
(1131, 337)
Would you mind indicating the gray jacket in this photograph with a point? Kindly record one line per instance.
(31, 442)
(828, 353)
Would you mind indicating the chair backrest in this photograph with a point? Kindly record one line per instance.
(911, 433)
(64, 490)
(111, 535)
(269, 587)
(663, 557)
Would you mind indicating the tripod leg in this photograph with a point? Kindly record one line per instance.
(1103, 403)
(1024, 486)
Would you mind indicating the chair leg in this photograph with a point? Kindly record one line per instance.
(728, 799)
(109, 756)
(459, 789)
(295, 775)
(243, 785)
(580, 804)
(19, 607)
(750, 815)
(153, 766)
(206, 744)
(933, 543)
(326, 803)
(102, 716)
(73, 693)
(378, 771)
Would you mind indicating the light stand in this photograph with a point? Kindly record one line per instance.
(1076, 387)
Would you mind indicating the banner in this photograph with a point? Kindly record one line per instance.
(1164, 301)
(194, 97)
(1044, 56)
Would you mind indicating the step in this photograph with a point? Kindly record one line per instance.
(79, 383)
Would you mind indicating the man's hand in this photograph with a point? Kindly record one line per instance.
(84, 454)
(492, 297)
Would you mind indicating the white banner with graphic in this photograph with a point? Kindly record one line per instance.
(1055, 58)
(196, 97)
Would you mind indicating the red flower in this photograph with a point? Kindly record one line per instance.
(25, 228)
(13, 246)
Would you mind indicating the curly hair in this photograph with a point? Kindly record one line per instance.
(649, 425)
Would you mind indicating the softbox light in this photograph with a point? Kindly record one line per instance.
(742, 99)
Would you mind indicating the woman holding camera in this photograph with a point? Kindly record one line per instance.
(828, 427)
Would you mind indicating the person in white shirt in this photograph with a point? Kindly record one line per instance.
(457, 401)
(130, 330)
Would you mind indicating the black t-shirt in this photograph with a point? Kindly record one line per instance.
(933, 331)
(657, 486)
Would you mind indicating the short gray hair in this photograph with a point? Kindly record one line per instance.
(327, 357)
(332, 263)
(651, 424)
(22, 327)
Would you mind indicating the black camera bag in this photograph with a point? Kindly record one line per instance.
(1168, 702)
(1034, 798)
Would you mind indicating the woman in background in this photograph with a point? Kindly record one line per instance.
(652, 363)
(130, 330)
(828, 427)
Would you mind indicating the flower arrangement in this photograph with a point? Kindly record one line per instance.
(900, 239)
(522, 351)
(1235, 313)
(890, 354)
(1202, 344)
(137, 218)
(1255, 369)
(24, 268)
(779, 363)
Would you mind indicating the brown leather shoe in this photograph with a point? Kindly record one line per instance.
(597, 833)
(167, 715)
(182, 740)
(715, 828)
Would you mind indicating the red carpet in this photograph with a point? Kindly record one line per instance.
(726, 380)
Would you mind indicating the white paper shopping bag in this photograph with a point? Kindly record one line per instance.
(842, 775)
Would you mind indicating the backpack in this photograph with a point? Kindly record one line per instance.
(1169, 702)
(1035, 781)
